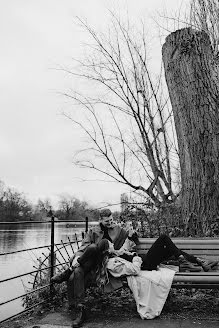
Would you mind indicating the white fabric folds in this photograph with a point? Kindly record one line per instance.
(150, 290)
(119, 267)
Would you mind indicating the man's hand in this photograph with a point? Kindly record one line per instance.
(125, 251)
(111, 248)
(131, 231)
(129, 228)
(118, 252)
(75, 263)
(122, 251)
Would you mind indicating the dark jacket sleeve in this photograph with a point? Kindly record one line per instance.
(88, 239)
(134, 238)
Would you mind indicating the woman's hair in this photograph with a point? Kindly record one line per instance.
(103, 245)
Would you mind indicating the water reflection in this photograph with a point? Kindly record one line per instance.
(17, 237)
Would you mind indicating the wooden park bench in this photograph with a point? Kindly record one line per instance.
(200, 247)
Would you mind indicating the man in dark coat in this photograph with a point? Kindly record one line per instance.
(107, 236)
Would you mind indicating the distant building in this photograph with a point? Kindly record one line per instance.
(124, 201)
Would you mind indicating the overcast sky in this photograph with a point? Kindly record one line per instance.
(36, 142)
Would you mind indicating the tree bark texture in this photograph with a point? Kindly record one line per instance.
(192, 76)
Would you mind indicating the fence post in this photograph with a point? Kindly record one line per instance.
(52, 250)
(86, 224)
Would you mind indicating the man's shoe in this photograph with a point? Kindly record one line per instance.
(186, 266)
(80, 317)
(207, 264)
(63, 276)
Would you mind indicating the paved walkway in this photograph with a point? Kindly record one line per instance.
(161, 324)
(60, 320)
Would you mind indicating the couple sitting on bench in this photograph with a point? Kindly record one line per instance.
(106, 240)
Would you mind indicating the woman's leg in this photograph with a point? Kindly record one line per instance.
(190, 258)
(161, 250)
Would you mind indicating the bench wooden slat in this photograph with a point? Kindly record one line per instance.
(202, 253)
(208, 274)
(199, 241)
(207, 247)
(183, 246)
(193, 285)
(197, 279)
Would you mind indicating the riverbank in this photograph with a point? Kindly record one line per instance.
(119, 307)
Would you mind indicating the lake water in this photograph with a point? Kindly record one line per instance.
(24, 236)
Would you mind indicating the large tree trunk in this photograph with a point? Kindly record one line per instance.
(192, 76)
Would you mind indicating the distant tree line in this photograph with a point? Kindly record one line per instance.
(15, 207)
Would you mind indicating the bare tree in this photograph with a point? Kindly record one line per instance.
(204, 17)
(71, 208)
(13, 205)
(127, 118)
(191, 64)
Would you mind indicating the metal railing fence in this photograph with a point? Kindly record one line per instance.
(50, 267)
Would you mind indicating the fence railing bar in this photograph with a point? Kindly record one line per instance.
(41, 222)
(46, 246)
(71, 245)
(61, 254)
(25, 274)
(66, 250)
(33, 248)
(63, 266)
(41, 264)
(23, 250)
(26, 294)
(76, 238)
(24, 311)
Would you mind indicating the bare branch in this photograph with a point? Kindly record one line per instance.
(126, 119)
